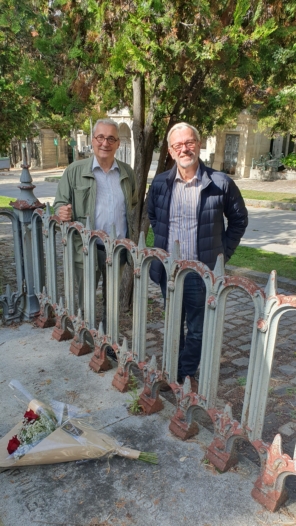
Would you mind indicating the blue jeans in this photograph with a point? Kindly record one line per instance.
(193, 310)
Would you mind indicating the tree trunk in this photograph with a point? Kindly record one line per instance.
(143, 133)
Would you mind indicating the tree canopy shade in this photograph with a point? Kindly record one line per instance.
(39, 79)
(17, 112)
(200, 61)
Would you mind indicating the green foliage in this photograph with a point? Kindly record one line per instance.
(134, 405)
(291, 390)
(202, 61)
(269, 196)
(41, 47)
(199, 61)
(150, 238)
(290, 160)
(18, 109)
(263, 261)
(242, 381)
(240, 12)
(4, 201)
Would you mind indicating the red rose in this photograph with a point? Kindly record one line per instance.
(13, 444)
(31, 416)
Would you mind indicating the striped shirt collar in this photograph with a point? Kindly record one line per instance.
(197, 175)
(97, 165)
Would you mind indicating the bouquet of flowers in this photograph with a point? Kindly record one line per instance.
(35, 427)
(54, 433)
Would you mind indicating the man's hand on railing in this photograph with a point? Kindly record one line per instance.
(65, 212)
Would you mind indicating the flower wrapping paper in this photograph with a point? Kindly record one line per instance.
(74, 440)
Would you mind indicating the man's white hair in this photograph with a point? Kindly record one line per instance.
(106, 121)
(180, 126)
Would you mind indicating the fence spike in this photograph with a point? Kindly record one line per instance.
(87, 224)
(176, 250)
(219, 266)
(48, 212)
(186, 386)
(228, 411)
(122, 356)
(101, 329)
(271, 287)
(61, 303)
(141, 243)
(124, 347)
(153, 363)
(277, 444)
(112, 232)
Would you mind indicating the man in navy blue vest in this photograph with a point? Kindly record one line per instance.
(189, 203)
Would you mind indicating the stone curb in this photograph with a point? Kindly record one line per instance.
(261, 277)
(270, 204)
(52, 179)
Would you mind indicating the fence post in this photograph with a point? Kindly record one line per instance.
(24, 207)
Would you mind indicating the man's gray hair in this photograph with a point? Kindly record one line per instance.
(180, 126)
(105, 121)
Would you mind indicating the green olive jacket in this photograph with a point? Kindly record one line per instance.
(78, 187)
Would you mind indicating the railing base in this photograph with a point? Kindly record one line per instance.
(182, 429)
(122, 382)
(43, 323)
(150, 405)
(99, 361)
(61, 335)
(80, 349)
(269, 489)
(271, 500)
(222, 460)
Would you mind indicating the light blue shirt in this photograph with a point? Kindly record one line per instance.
(110, 204)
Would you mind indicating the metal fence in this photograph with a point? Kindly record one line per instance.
(268, 162)
(35, 241)
(124, 152)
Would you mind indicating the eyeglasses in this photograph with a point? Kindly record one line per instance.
(177, 147)
(102, 138)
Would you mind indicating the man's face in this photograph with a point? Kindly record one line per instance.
(104, 150)
(184, 148)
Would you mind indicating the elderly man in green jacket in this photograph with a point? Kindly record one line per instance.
(102, 188)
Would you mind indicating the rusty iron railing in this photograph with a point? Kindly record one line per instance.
(22, 304)
(86, 337)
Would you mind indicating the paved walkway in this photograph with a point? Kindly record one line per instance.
(280, 185)
(271, 230)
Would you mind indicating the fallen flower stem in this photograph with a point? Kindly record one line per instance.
(148, 457)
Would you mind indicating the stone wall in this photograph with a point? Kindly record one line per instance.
(51, 155)
(252, 144)
(41, 150)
